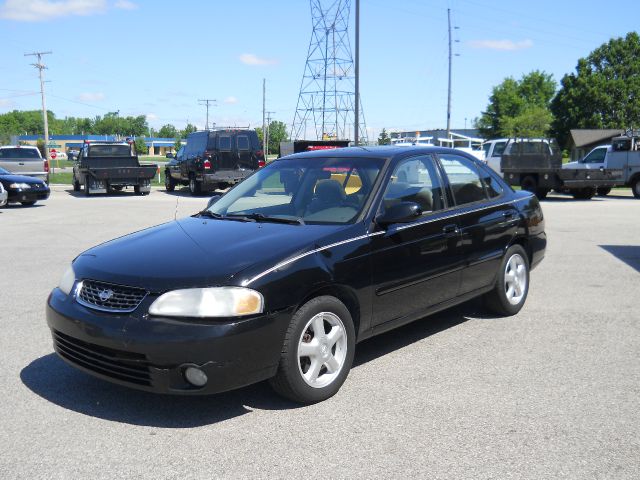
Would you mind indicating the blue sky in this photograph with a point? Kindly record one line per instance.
(159, 57)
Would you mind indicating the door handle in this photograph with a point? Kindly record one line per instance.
(508, 215)
(450, 230)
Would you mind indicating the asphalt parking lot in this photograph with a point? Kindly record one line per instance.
(550, 393)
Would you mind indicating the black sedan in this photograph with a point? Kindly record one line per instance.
(23, 189)
(281, 277)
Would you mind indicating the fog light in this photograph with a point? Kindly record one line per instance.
(195, 377)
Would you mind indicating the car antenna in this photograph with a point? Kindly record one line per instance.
(175, 214)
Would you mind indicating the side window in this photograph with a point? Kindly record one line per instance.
(597, 156)
(499, 149)
(491, 183)
(224, 143)
(414, 180)
(463, 177)
(242, 142)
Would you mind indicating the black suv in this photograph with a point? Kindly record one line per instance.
(215, 159)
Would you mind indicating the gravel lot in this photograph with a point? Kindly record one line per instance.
(551, 393)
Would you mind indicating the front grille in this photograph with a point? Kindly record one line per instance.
(110, 297)
(118, 364)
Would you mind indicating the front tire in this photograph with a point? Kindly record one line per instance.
(76, 184)
(603, 191)
(28, 204)
(86, 187)
(317, 353)
(512, 285)
(585, 193)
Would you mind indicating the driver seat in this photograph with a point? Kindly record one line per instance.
(329, 194)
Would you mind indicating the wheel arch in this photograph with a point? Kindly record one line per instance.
(524, 243)
(343, 293)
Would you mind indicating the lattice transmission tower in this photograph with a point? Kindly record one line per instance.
(326, 101)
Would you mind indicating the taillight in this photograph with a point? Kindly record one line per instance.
(46, 166)
(261, 163)
(207, 164)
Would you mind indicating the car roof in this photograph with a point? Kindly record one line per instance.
(386, 152)
(18, 146)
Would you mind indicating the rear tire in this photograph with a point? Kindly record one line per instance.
(586, 193)
(603, 191)
(314, 362)
(29, 204)
(512, 284)
(76, 184)
(635, 187)
(195, 187)
(169, 183)
(86, 187)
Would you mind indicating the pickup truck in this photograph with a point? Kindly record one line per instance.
(536, 165)
(102, 167)
(24, 160)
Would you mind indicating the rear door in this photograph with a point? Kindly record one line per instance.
(416, 265)
(22, 161)
(487, 222)
(225, 152)
(243, 148)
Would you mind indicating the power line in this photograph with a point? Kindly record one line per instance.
(207, 101)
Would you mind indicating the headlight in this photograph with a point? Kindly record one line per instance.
(19, 185)
(67, 280)
(208, 302)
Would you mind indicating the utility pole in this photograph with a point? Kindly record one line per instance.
(207, 101)
(41, 66)
(356, 110)
(266, 135)
(264, 108)
(449, 87)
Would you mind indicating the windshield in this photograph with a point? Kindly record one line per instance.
(314, 190)
(4, 172)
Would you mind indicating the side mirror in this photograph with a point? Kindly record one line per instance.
(213, 200)
(402, 212)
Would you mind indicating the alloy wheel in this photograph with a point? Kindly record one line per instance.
(322, 349)
(515, 279)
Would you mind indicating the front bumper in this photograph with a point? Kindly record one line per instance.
(27, 195)
(152, 354)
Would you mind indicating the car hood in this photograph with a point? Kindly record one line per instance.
(197, 252)
(19, 179)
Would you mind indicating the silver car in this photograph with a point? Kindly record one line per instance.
(4, 196)
(24, 160)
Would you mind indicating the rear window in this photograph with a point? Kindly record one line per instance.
(243, 142)
(8, 153)
(224, 143)
(109, 151)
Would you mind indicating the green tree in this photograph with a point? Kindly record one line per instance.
(187, 130)
(519, 107)
(384, 138)
(141, 147)
(604, 92)
(168, 131)
(178, 144)
(277, 133)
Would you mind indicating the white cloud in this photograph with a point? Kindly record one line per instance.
(151, 117)
(91, 97)
(126, 5)
(254, 60)
(42, 10)
(231, 100)
(5, 103)
(503, 45)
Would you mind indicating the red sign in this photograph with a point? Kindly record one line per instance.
(53, 153)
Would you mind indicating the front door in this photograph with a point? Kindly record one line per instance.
(416, 265)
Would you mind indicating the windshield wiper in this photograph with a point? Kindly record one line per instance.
(261, 217)
(217, 216)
